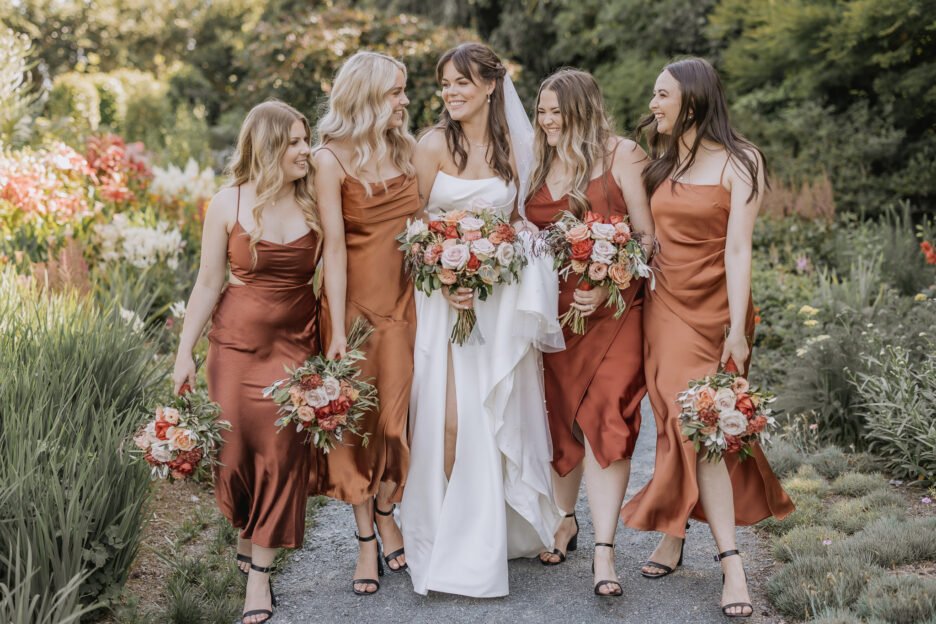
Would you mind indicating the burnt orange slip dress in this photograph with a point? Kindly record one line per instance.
(257, 328)
(379, 291)
(684, 333)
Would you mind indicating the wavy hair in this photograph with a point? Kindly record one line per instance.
(583, 140)
(261, 144)
(477, 62)
(703, 105)
(358, 112)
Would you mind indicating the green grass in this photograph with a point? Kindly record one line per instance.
(811, 583)
(903, 599)
(807, 512)
(805, 540)
(858, 484)
(893, 543)
(830, 462)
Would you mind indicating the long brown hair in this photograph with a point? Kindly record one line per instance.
(583, 140)
(263, 139)
(703, 105)
(476, 61)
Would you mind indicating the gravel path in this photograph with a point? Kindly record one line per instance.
(315, 585)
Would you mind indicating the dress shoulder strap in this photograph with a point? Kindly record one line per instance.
(329, 150)
(237, 209)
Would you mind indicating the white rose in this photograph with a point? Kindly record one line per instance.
(483, 248)
(316, 398)
(455, 257)
(732, 422)
(415, 228)
(150, 432)
(332, 388)
(725, 399)
(470, 224)
(602, 231)
(161, 452)
(505, 253)
(603, 251)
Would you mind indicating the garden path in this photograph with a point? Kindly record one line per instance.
(315, 585)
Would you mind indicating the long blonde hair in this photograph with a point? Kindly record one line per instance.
(583, 140)
(261, 144)
(358, 112)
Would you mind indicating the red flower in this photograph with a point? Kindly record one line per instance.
(581, 251)
(161, 427)
(745, 405)
(323, 412)
(436, 227)
(733, 444)
(757, 319)
(615, 219)
(505, 233)
(329, 423)
(340, 406)
(926, 247)
(708, 415)
(756, 425)
(311, 382)
(451, 231)
(931, 257)
(473, 263)
(593, 217)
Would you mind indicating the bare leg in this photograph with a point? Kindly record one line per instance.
(244, 548)
(566, 491)
(389, 531)
(717, 502)
(451, 417)
(258, 587)
(367, 555)
(606, 488)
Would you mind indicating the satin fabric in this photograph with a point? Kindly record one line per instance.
(379, 291)
(256, 329)
(684, 333)
(459, 533)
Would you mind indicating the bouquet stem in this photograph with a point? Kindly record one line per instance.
(463, 326)
(574, 320)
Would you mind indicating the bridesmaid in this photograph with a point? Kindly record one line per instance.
(367, 189)
(705, 183)
(594, 387)
(266, 226)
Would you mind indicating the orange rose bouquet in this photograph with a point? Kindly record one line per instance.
(723, 413)
(470, 248)
(327, 398)
(602, 252)
(182, 438)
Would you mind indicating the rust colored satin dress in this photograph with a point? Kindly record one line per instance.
(684, 321)
(378, 290)
(256, 328)
(598, 381)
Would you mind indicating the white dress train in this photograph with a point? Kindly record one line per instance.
(498, 503)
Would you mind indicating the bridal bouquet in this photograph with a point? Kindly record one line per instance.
(182, 437)
(327, 398)
(724, 414)
(470, 248)
(603, 252)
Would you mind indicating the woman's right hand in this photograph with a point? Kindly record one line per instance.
(183, 373)
(337, 348)
(461, 299)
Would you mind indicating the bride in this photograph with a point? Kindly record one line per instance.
(479, 488)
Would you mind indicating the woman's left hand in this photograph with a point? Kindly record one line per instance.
(525, 226)
(736, 348)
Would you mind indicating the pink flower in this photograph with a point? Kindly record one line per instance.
(455, 257)
(603, 251)
(740, 385)
(926, 501)
(180, 439)
(305, 414)
(471, 224)
(505, 253)
(447, 276)
(471, 235)
(578, 233)
(826, 542)
(432, 254)
(597, 271)
(483, 248)
(602, 231)
(813, 427)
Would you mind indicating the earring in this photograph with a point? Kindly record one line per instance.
(489, 98)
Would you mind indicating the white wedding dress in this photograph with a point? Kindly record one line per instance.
(498, 503)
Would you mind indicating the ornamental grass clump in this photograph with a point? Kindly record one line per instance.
(808, 509)
(829, 462)
(839, 616)
(853, 514)
(802, 541)
(858, 484)
(893, 543)
(901, 599)
(809, 584)
(75, 378)
(805, 483)
(784, 458)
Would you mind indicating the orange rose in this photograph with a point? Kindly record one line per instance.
(436, 227)
(162, 427)
(756, 425)
(581, 250)
(306, 414)
(453, 216)
(579, 266)
(506, 233)
(473, 263)
(447, 276)
(180, 438)
(745, 405)
(295, 395)
(451, 231)
(578, 233)
(620, 274)
(704, 399)
(593, 217)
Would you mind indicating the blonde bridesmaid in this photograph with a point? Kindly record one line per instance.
(367, 189)
(705, 183)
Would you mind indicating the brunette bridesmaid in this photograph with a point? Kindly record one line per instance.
(594, 387)
(705, 183)
(265, 225)
(367, 190)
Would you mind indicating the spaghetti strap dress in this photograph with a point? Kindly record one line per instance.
(258, 327)
(379, 291)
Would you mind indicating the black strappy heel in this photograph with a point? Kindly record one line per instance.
(395, 553)
(368, 581)
(572, 545)
(600, 584)
(667, 570)
(244, 559)
(266, 612)
(724, 609)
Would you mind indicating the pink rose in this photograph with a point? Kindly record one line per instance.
(732, 422)
(316, 398)
(505, 253)
(603, 251)
(602, 231)
(740, 385)
(180, 439)
(471, 224)
(142, 440)
(305, 414)
(579, 267)
(455, 257)
(597, 271)
(332, 388)
(432, 254)
(447, 277)
(471, 235)
(171, 415)
(295, 395)
(578, 233)
(483, 248)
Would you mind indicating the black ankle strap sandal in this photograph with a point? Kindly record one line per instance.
(396, 553)
(719, 557)
(364, 581)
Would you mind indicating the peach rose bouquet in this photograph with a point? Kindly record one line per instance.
(602, 251)
(182, 437)
(723, 413)
(327, 398)
(470, 248)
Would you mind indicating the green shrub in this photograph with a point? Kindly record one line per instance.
(830, 462)
(853, 514)
(902, 599)
(784, 458)
(805, 540)
(805, 483)
(808, 509)
(75, 379)
(16, 101)
(864, 462)
(75, 100)
(858, 484)
(839, 616)
(809, 584)
(891, 543)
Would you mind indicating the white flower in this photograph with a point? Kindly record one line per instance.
(190, 183)
(415, 228)
(150, 432)
(603, 251)
(725, 399)
(160, 451)
(732, 422)
(470, 224)
(131, 319)
(177, 309)
(505, 253)
(317, 398)
(602, 231)
(483, 248)
(455, 257)
(332, 388)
